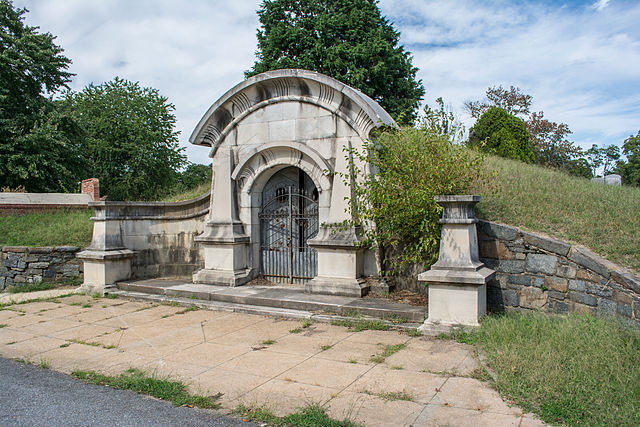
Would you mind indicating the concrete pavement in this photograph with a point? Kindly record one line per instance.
(252, 360)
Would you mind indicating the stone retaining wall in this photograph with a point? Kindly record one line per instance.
(22, 264)
(537, 272)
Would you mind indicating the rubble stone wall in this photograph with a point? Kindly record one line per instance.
(21, 265)
(541, 273)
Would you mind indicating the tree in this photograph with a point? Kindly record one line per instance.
(130, 142)
(605, 157)
(513, 101)
(38, 147)
(498, 132)
(549, 142)
(348, 40)
(548, 139)
(630, 170)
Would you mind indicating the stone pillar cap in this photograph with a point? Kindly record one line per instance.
(457, 198)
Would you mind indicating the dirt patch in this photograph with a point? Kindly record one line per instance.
(402, 296)
(260, 281)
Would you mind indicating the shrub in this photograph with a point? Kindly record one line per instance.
(410, 167)
(498, 132)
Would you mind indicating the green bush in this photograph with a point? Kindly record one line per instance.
(498, 132)
(410, 167)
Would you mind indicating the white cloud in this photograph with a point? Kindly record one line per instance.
(581, 64)
(600, 5)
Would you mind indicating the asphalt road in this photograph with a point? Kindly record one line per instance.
(32, 396)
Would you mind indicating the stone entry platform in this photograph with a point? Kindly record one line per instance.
(288, 301)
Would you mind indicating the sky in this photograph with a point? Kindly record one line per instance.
(579, 60)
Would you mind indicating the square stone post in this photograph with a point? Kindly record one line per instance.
(226, 245)
(457, 281)
(106, 260)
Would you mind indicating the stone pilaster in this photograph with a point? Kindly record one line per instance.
(226, 245)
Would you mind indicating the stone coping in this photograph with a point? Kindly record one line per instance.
(40, 249)
(116, 210)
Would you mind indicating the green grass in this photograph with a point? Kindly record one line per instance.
(602, 217)
(139, 382)
(190, 194)
(310, 416)
(574, 370)
(42, 286)
(388, 351)
(359, 325)
(62, 227)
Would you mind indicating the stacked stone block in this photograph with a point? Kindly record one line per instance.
(21, 265)
(541, 273)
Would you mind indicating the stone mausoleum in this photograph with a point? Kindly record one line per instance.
(278, 143)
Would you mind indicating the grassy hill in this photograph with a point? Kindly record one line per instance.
(604, 218)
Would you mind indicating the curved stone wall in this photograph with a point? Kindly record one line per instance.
(162, 234)
(538, 272)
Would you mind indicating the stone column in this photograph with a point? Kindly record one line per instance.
(106, 260)
(457, 281)
(226, 245)
(340, 258)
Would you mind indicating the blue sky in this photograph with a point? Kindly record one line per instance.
(579, 60)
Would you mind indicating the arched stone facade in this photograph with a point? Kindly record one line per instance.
(269, 122)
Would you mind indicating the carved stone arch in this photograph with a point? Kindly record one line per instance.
(268, 156)
(357, 109)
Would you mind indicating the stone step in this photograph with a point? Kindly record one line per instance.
(251, 309)
(281, 298)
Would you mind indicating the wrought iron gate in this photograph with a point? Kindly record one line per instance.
(287, 220)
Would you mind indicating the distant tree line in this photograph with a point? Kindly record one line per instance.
(506, 126)
(52, 138)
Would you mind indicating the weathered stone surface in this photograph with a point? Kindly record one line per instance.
(559, 307)
(557, 295)
(622, 297)
(499, 231)
(39, 265)
(538, 263)
(625, 310)
(556, 283)
(577, 285)
(67, 249)
(606, 307)
(601, 291)
(537, 281)
(41, 250)
(636, 308)
(21, 249)
(583, 298)
(584, 274)
(566, 271)
(533, 298)
(576, 307)
(505, 266)
(547, 243)
(522, 280)
(495, 249)
(588, 259)
(627, 280)
(511, 298)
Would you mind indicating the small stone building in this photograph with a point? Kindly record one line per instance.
(279, 143)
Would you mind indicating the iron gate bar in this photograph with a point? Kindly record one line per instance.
(287, 220)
